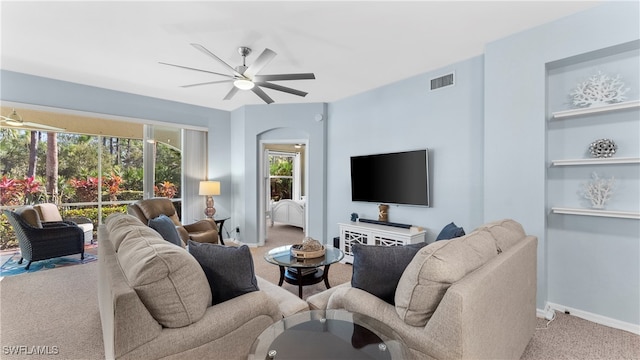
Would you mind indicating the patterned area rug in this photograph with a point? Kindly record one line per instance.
(11, 267)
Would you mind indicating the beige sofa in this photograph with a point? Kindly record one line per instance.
(155, 301)
(472, 297)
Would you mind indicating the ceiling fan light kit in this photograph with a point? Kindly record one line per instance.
(243, 84)
(247, 78)
(14, 119)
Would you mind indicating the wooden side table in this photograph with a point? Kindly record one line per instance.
(220, 223)
(295, 274)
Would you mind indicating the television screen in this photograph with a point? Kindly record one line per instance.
(398, 178)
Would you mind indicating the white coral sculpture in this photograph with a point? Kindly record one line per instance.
(598, 190)
(599, 89)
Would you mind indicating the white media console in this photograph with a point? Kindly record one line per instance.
(374, 234)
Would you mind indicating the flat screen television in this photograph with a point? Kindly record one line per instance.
(397, 178)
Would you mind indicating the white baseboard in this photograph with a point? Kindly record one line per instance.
(598, 319)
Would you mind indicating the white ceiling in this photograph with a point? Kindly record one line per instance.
(351, 47)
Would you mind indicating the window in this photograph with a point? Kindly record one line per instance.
(91, 157)
(284, 175)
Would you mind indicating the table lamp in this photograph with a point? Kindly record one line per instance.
(208, 189)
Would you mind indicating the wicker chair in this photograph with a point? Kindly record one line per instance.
(41, 241)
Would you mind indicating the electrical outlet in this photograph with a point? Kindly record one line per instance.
(237, 229)
(549, 313)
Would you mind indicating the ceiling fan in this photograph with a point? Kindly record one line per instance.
(15, 120)
(247, 78)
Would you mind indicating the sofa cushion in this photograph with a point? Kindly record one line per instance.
(432, 271)
(48, 212)
(506, 232)
(166, 228)
(30, 215)
(229, 270)
(450, 231)
(169, 281)
(377, 269)
(123, 226)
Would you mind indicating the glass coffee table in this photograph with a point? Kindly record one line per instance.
(328, 334)
(303, 272)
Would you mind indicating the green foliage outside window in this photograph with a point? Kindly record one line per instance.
(281, 173)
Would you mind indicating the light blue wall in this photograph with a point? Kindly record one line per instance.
(408, 116)
(219, 165)
(515, 158)
(253, 123)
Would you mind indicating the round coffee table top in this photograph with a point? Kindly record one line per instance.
(282, 256)
(328, 334)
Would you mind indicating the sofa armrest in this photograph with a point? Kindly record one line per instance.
(201, 225)
(243, 318)
(359, 301)
(288, 303)
(320, 300)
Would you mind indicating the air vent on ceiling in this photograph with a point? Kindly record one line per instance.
(442, 81)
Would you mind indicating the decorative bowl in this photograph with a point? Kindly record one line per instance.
(297, 252)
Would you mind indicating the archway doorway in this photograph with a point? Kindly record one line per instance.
(282, 185)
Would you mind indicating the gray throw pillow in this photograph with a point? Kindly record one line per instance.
(229, 269)
(450, 231)
(377, 269)
(166, 228)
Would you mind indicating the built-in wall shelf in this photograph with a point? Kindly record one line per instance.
(596, 161)
(593, 212)
(595, 110)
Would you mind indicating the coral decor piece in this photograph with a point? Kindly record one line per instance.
(598, 190)
(603, 148)
(599, 89)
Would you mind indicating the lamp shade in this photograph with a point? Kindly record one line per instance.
(209, 188)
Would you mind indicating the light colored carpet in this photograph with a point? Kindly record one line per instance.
(54, 312)
(572, 338)
(57, 311)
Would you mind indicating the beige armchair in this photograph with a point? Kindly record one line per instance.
(202, 231)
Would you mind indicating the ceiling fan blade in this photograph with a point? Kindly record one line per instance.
(190, 68)
(263, 59)
(281, 88)
(275, 77)
(207, 83)
(207, 52)
(31, 126)
(231, 93)
(262, 95)
(42, 127)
